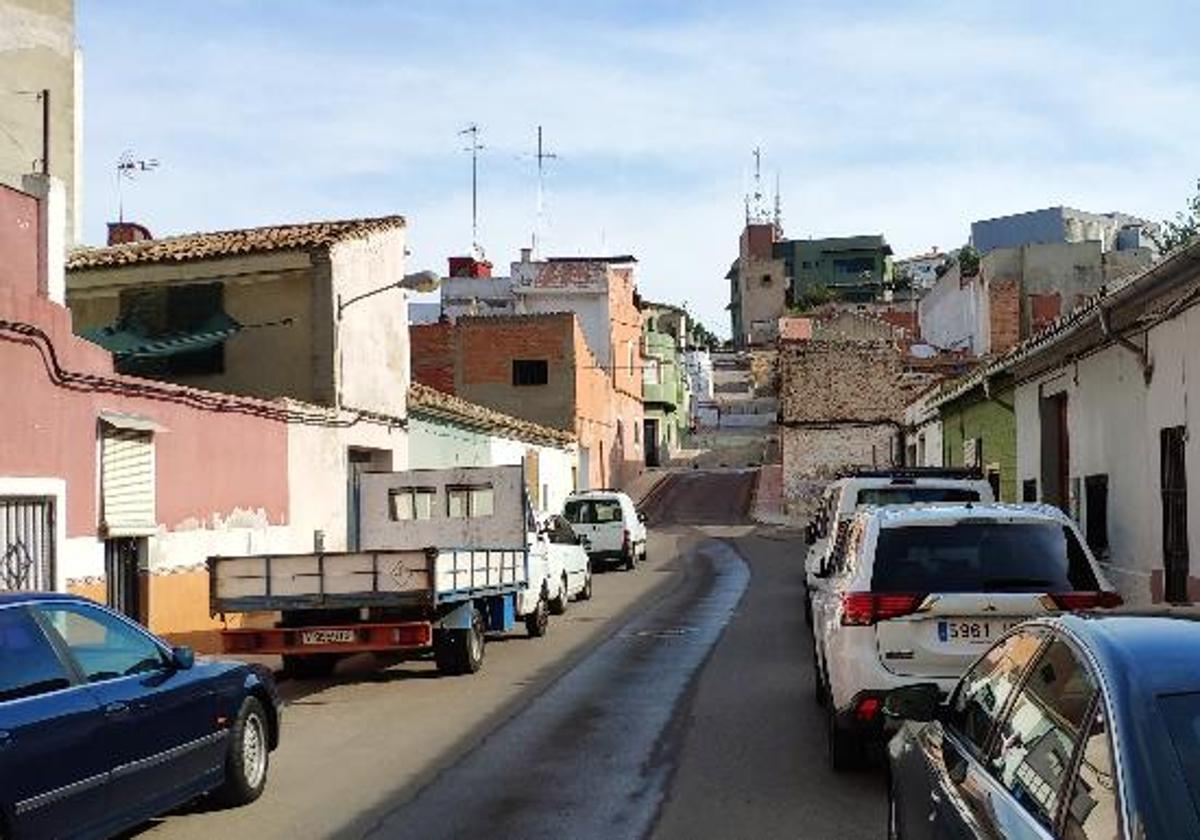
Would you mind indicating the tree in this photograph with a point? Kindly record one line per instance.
(1184, 228)
(812, 296)
(968, 261)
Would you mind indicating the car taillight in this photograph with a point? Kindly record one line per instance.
(862, 609)
(867, 709)
(1071, 601)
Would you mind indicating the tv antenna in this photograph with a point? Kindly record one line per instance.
(756, 210)
(475, 147)
(542, 156)
(128, 169)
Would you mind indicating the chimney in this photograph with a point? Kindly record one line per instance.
(122, 233)
(526, 255)
(469, 267)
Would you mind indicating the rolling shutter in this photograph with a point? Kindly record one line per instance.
(127, 482)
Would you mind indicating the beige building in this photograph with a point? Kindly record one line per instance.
(38, 53)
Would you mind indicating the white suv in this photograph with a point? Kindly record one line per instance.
(897, 486)
(917, 592)
(615, 531)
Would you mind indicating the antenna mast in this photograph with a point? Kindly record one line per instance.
(778, 208)
(756, 210)
(542, 157)
(472, 131)
(128, 168)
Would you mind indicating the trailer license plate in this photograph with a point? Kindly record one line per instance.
(327, 637)
(972, 632)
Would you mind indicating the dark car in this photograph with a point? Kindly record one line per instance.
(1083, 727)
(103, 726)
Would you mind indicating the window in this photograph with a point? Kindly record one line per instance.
(28, 663)
(766, 279)
(980, 698)
(561, 532)
(194, 312)
(1029, 490)
(909, 495)
(854, 265)
(1033, 753)
(469, 502)
(530, 372)
(1092, 808)
(993, 480)
(1182, 713)
(104, 646)
(1095, 488)
(592, 511)
(411, 503)
(982, 556)
(650, 372)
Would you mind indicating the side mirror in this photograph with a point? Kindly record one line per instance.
(642, 517)
(913, 702)
(810, 534)
(585, 542)
(183, 658)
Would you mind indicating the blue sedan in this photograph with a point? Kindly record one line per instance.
(103, 726)
(1082, 727)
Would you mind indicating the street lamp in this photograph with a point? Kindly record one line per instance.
(420, 281)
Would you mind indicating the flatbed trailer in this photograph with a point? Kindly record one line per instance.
(393, 597)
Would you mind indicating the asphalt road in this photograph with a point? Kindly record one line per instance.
(676, 704)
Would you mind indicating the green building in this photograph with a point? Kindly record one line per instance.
(665, 392)
(854, 268)
(979, 429)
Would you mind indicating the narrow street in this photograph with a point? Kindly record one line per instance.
(674, 705)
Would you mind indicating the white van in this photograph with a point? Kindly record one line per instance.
(615, 531)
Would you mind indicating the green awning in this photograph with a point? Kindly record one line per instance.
(125, 342)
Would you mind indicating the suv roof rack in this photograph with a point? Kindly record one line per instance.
(965, 473)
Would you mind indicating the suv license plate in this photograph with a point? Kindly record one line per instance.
(972, 632)
(327, 637)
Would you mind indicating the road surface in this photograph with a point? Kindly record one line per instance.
(674, 705)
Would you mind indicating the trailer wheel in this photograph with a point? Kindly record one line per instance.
(312, 666)
(559, 605)
(460, 651)
(536, 621)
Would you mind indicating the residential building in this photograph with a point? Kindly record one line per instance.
(758, 286)
(665, 392)
(1061, 226)
(923, 432)
(541, 369)
(445, 431)
(424, 312)
(1018, 291)
(470, 289)
(854, 268)
(120, 487)
(921, 269)
(698, 364)
(1102, 408)
(38, 55)
(978, 429)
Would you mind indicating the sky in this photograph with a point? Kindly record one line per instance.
(909, 119)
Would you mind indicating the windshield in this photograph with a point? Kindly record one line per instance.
(1182, 712)
(908, 495)
(981, 556)
(592, 511)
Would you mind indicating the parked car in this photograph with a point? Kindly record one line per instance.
(915, 591)
(615, 531)
(568, 563)
(898, 486)
(103, 726)
(1081, 727)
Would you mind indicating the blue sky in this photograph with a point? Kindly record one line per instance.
(907, 119)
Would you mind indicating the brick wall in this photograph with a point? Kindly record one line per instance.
(1043, 310)
(432, 355)
(1004, 306)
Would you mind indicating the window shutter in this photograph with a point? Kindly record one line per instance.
(127, 482)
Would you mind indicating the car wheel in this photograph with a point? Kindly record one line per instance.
(313, 666)
(558, 606)
(645, 552)
(247, 756)
(629, 560)
(845, 746)
(536, 621)
(585, 594)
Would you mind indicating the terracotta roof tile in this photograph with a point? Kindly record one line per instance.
(425, 400)
(200, 246)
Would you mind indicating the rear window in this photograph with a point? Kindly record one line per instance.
(592, 511)
(914, 495)
(1182, 712)
(981, 557)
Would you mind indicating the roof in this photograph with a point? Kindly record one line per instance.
(1156, 650)
(1145, 283)
(423, 400)
(897, 516)
(618, 259)
(863, 242)
(224, 243)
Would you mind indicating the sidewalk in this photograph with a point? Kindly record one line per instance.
(768, 496)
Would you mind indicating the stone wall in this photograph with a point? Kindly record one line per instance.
(823, 382)
(811, 455)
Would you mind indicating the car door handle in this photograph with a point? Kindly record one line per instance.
(118, 708)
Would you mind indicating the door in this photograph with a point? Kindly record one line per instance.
(53, 766)
(650, 435)
(1056, 451)
(161, 732)
(1172, 443)
(122, 574)
(26, 544)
